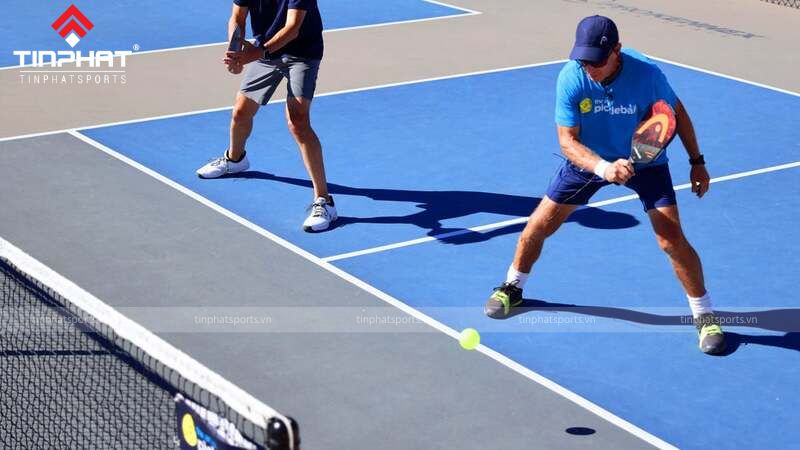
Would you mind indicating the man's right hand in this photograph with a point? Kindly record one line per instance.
(619, 172)
(233, 62)
(235, 69)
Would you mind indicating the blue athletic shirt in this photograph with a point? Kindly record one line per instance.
(267, 17)
(608, 115)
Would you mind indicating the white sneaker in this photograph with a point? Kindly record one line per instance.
(322, 215)
(223, 166)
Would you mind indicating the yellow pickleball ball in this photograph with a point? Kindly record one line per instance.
(469, 339)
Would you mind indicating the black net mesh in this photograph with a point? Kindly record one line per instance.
(69, 381)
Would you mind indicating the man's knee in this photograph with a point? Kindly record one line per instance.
(540, 227)
(298, 117)
(240, 115)
(669, 233)
(534, 232)
(547, 218)
(672, 241)
(299, 125)
(244, 110)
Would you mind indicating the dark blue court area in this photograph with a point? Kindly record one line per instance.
(430, 158)
(153, 25)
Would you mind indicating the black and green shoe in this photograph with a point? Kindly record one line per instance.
(504, 297)
(712, 339)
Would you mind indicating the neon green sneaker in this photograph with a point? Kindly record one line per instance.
(504, 297)
(712, 338)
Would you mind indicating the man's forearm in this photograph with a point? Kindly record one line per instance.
(618, 171)
(282, 37)
(686, 131)
(232, 23)
(579, 154)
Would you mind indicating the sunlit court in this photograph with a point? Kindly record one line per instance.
(399, 224)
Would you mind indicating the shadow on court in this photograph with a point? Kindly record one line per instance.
(438, 206)
(785, 320)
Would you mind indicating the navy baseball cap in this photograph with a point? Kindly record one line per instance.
(595, 37)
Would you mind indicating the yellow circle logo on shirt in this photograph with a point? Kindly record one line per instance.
(586, 105)
(189, 432)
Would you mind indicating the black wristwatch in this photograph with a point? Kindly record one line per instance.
(265, 55)
(699, 161)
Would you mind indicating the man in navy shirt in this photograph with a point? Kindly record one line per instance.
(601, 95)
(288, 44)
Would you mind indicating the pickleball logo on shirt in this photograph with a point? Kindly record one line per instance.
(612, 109)
(72, 25)
(586, 105)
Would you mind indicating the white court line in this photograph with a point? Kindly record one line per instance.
(516, 367)
(466, 13)
(448, 5)
(324, 94)
(402, 83)
(519, 220)
(730, 77)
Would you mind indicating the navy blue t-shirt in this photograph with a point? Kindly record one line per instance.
(267, 17)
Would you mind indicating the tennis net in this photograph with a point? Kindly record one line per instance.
(77, 374)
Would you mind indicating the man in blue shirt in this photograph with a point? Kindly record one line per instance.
(601, 96)
(288, 44)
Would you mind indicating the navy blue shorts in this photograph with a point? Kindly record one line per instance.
(574, 186)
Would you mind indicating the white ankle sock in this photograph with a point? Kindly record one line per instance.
(516, 277)
(700, 305)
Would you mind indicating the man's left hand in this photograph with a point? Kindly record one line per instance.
(700, 180)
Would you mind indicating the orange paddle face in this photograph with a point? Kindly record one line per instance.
(654, 133)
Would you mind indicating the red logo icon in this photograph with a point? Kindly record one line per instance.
(75, 29)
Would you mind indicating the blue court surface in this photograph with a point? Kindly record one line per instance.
(465, 153)
(158, 25)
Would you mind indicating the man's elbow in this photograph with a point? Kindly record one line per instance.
(565, 141)
(565, 146)
(292, 32)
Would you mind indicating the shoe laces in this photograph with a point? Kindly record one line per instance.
(711, 330)
(218, 161)
(708, 324)
(507, 287)
(318, 209)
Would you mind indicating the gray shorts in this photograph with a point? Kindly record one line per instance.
(262, 77)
